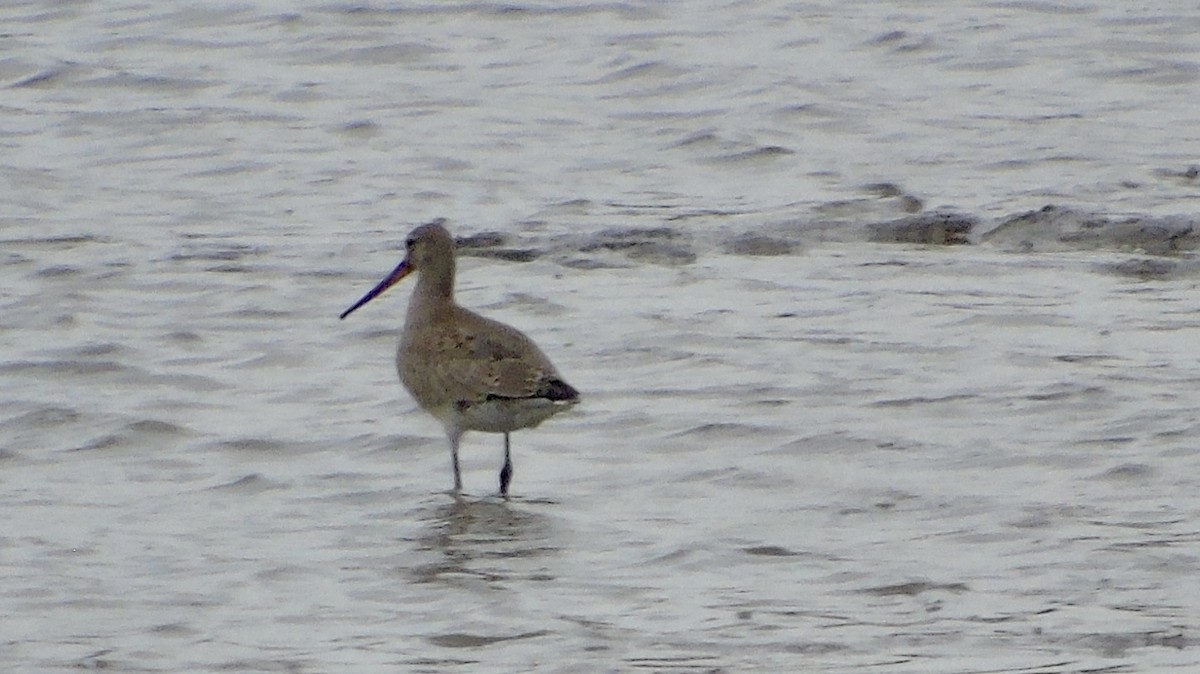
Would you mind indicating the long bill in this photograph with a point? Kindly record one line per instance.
(403, 269)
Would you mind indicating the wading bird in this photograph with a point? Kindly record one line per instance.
(471, 373)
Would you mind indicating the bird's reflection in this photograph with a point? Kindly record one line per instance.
(481, 538)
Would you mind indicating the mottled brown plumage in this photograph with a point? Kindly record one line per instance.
(471, 372)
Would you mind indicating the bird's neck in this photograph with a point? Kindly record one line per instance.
(434, 291)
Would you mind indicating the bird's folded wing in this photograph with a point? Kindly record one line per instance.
(480, 358)
(472, 379)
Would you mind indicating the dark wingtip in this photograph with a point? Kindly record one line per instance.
(554, 390)
(559, 391)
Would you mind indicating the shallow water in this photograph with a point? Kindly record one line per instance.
(798, 450)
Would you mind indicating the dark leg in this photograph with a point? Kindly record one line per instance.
(454, 436)
(506, 472)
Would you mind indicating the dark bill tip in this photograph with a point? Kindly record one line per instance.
(398, 273)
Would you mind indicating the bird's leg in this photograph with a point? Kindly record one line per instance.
(506, 472)
(454, 436)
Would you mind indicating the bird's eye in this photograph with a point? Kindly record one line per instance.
(410, 243)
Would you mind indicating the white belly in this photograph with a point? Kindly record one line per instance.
(503, 415)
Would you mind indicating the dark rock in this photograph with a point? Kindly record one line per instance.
(1054, 228)
(481, 240)
(939, 229)
(653, 244)
(758, 244)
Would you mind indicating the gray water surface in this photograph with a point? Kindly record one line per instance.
(799, 449)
